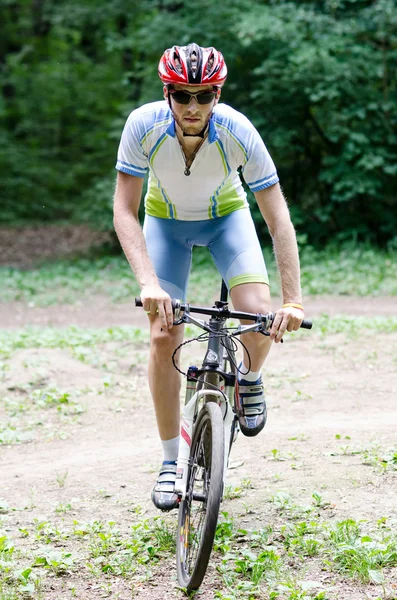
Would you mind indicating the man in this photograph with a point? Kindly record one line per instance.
(192, 147)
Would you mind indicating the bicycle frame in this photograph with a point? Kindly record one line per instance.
(215, 358)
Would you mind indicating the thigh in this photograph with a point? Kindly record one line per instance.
(169, 254)
(237, 252)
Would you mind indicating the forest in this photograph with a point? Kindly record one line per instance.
(317, 79)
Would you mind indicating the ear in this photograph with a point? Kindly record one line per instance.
(165, 93)
(218, 95)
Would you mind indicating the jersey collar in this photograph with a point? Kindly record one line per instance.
(212, 132)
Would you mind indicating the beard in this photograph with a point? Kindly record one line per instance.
(193, 130)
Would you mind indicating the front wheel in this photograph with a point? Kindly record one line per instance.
(198, 512)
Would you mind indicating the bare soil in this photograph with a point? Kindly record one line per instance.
(327, 398)
(26, 246)
(99, 311)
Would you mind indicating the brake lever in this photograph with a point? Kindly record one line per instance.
(269, 323)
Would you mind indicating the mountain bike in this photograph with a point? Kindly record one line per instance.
(209, 426)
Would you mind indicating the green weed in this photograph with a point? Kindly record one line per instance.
(69, 337)
(56, 561)
(9, 434)
(149, 541)
(347, 270)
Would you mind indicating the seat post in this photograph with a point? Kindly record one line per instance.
(224, 292)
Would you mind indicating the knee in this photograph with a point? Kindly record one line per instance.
(163, 343)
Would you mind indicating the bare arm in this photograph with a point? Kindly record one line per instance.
(275, 211)
(127, 199)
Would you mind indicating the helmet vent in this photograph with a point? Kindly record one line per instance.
(193, 62)
(177, 63)
(210, 64)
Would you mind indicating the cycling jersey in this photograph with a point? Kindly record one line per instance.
(213, 189)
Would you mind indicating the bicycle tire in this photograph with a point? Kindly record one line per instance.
(211, 378)
(194, 546)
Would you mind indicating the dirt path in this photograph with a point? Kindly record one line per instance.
(101, 312)
(332, 417)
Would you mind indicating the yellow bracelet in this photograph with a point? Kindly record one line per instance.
(292, 305)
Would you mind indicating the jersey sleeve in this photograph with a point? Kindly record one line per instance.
(259, 170)
(131, 157)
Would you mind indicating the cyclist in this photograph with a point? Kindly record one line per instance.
(192, 147)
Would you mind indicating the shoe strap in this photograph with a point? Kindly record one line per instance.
(168, 467)
(253, 391)
(252, 398)
(166, 477)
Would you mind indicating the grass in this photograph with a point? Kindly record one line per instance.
(102, 551)
(82, 341)
(273, 562)
(383, 459)
(78, 339)
(38, 408)
(345, 270)
(35, 407)
(295, 551)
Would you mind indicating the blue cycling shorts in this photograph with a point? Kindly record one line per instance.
(231, 240)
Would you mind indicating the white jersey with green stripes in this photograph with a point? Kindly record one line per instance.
(213, 189)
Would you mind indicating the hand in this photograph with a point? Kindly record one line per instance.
(286, 319)
(157, 303)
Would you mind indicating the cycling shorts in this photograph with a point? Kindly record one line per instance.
(231, 240)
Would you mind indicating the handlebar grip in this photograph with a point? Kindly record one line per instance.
(138, 302)
(306, 324)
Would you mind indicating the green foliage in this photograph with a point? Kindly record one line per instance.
(356, 270)
(317, 79)
(325, 71)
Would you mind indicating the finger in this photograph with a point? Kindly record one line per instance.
(291, 325)
(297, 324)
(153, 309)
(162, 315)
(282, 329)
(275, 326)
(294, 324)
(169, 313)
(146, 305)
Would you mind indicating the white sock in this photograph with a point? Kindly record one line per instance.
(250, 376)
(170, 449)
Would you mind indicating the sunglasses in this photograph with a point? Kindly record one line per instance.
(184, 97)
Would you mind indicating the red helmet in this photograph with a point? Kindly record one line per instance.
(192, 65)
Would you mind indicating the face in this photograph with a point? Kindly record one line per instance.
(192, 117)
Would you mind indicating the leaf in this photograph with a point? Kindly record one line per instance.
(376, 576)
(309, 585)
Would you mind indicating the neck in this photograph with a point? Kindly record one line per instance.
(189, 141)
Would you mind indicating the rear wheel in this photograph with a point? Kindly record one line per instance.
(198, 512)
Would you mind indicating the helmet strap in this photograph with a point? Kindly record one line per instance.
(201, 134)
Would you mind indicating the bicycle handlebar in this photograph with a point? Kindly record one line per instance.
(224, 312)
